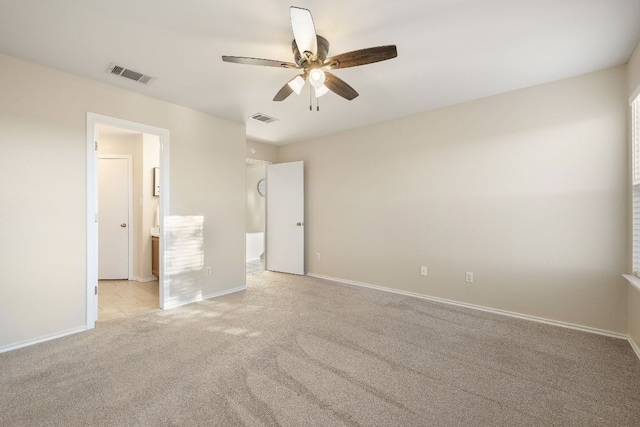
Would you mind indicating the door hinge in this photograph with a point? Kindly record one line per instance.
(95, 145)
(96, 290)
(96, 218)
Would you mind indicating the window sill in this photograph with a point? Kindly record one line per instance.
(635, 281)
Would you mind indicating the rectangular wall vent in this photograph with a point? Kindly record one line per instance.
(129, 74)
(262, 118)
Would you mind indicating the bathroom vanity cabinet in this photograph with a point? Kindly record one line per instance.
(155, 256)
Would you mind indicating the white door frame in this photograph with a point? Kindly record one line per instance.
(130, 221)
(93, 120)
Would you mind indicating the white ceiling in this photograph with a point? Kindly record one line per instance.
(449, 51)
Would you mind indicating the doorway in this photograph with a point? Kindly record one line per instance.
(274, 217)
(127, 160)
(131, 291)
(256, 174)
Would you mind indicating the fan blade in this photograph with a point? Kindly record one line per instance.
(293, 85)
(304, 32)
(283, 93)
(361, 57)
(339, 86)
(259, 61)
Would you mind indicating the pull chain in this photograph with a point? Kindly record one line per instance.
(311, 100)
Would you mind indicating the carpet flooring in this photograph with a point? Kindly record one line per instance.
(301, 351)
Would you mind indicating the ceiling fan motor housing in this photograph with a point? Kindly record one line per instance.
(302, 61)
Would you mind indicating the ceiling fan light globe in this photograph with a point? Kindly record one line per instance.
(321, 90)
(296, 84)
(317, 77)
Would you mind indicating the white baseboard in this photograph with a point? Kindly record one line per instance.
(227, 292)
(482, 308)
(145, 279)
(44, 338)
(204, 297)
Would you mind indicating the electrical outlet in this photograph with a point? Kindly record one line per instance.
(317, 256)
(423, 270)
(469, 277)
(207, 271)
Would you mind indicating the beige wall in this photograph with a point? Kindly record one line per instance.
(633, 71)
(261, 151)
(525, 189)
(43, 192)
(633, 83)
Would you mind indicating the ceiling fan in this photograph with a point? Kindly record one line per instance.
(310, 55)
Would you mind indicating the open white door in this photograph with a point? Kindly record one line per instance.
(285, 218)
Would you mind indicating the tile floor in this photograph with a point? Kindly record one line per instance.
(255, 266)
(122, 298)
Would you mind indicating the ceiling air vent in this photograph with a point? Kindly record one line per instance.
(129, 74)
(262, 118)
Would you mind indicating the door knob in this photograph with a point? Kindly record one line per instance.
(300, 224)
(123, 225)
